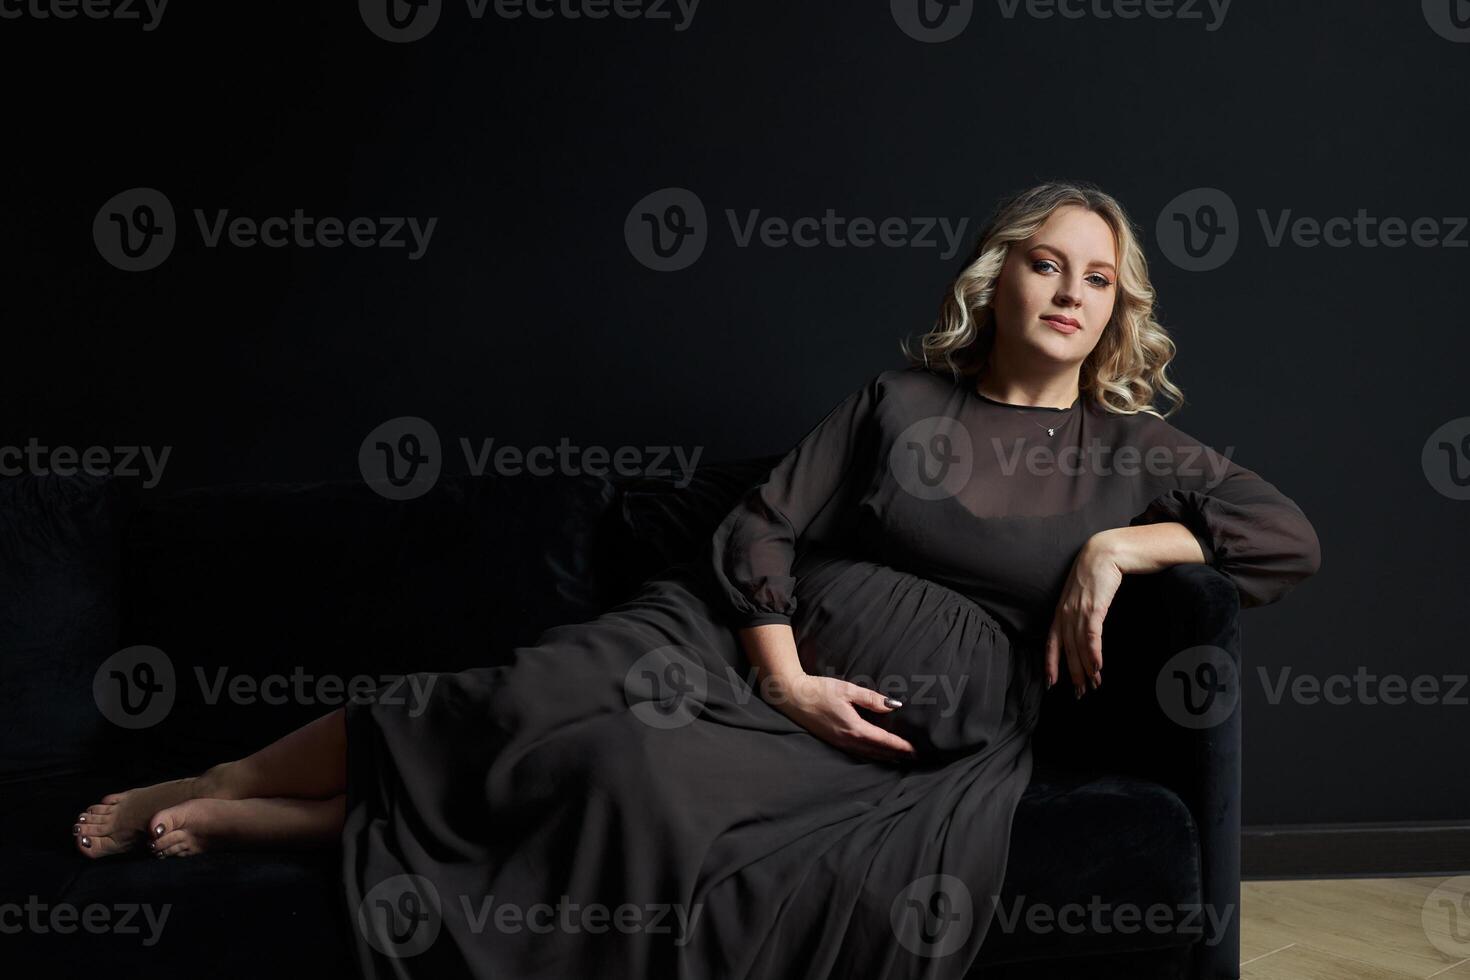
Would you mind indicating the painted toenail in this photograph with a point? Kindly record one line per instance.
(159, 855)
(76, 828)
(158, 831)
(82, 818)
(152, 846)
(86, 842)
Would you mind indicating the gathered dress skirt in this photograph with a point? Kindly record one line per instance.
(619, 801)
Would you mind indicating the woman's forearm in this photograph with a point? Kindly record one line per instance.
(1146, 548)
(771, 650)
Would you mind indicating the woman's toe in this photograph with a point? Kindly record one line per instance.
(168, 819)
(95, 847)
(183, 847)
(97, 825)
(112, 798)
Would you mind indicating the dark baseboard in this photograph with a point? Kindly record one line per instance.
(1361, 850)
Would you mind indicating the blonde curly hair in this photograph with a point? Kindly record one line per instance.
(1126, 368)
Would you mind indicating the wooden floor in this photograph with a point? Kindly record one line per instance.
(1356, 929)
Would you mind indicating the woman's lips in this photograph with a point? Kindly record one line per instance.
(1060, 326)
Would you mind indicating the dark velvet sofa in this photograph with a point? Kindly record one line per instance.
(1128, 808)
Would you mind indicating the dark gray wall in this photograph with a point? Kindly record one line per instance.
(528, 318)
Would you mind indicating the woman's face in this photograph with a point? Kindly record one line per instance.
(1066, 271)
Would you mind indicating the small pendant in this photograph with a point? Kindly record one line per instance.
(1051, 432)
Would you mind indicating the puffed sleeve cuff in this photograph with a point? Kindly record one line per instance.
(1257, 537)
(764, 619)
(1184, 507)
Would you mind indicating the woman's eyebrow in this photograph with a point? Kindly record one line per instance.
(1095, 262)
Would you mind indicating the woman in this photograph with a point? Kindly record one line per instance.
(695, 784)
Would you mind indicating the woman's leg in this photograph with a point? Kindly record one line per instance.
(309, 763)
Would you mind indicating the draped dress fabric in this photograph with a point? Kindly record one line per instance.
(620, 801)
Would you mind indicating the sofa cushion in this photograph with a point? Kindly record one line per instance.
(58, 618)
(1087, 849)
(269, 605)
(658, 523)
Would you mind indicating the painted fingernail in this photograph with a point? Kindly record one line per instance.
(76, 828)
(1077, 691)
(158, 831)
(892, 703)
(86, 842)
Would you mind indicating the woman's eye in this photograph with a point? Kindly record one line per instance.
(1097, 278)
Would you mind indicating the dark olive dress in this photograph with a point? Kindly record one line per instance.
(620, 802)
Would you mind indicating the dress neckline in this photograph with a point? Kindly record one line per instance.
(969, 386)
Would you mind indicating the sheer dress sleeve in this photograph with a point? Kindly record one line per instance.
(754, 547)
(1247, 529)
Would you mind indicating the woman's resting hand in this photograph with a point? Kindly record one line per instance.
(828, 708)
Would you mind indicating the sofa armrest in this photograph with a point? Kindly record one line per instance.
(1169, 711)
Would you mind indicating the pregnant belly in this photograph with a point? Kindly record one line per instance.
(937, 651)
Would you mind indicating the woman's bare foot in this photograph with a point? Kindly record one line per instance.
(122, 820)
(200, 825)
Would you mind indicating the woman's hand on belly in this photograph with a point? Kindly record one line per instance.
(828, 708)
